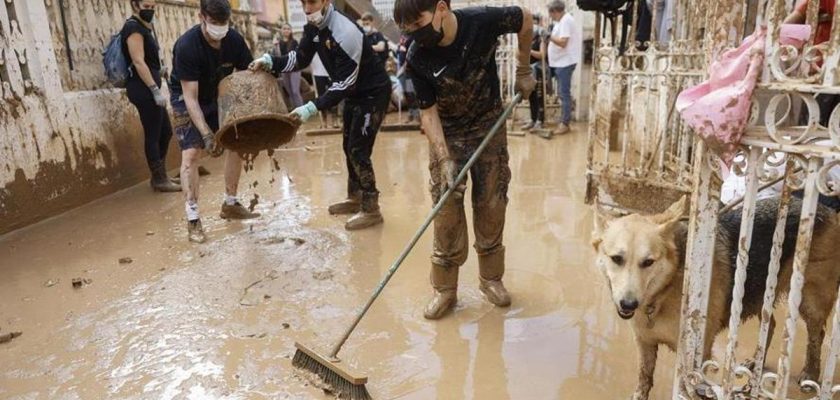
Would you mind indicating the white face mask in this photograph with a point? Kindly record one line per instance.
(315, 18)
(217, 32)
(367, 29)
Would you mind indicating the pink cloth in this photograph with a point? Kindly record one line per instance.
(718, 109)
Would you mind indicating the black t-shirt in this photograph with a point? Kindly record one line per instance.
(287, 47)
(536, 44)
(376, 37)
(462, 78)
(195, 60)
(151, 51)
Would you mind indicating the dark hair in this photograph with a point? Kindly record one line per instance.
(408, 11)
(367, 17)
(217, 10)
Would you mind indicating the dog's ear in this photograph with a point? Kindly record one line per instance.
(670, 219)
(603, 217)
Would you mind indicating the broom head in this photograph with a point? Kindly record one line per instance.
(345, 382)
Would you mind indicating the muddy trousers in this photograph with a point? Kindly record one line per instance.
(490, 177)
(362, 119)
(157, 129)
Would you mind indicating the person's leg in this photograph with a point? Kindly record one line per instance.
(231, 207)
(540, 98)
(491, 177)
(353, 203)
(450, 244)
(152, 120)
(366, 121)
(564, 83)
(294, 86)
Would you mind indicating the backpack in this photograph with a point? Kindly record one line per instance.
(608, 7)
(115, 63)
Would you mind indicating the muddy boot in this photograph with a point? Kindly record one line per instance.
(351, 205)
(491, 268)
(160, 182)
(236, 211)
(445, 283)
(368, 216)
(195, 232)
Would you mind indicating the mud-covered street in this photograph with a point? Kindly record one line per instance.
(219, 320)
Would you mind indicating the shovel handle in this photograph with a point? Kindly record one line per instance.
(431, 217)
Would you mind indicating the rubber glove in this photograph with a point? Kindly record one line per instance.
(525, 82)
(305, 111)
(264, 63)
(160, 99)
(210, 146)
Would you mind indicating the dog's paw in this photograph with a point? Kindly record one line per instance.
(808, 381)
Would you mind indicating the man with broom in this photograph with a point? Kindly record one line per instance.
(359, 78)
(453, 67)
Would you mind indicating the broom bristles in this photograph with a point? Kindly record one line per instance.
(341, 386)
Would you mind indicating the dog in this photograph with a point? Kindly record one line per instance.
(643, 261)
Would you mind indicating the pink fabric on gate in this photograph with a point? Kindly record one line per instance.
(794, 34)
(718, 109)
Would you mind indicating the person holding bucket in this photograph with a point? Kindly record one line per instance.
(203, 56)
(358, 76)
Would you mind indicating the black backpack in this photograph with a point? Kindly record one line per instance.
(607, 7)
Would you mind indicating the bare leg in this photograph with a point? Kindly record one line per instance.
(189, 174)
(233, 170)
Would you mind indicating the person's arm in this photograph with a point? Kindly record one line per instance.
(379, 47)
(561, 41)
(525, 37)
(345, 70)
(138, 59)
(430, 121)
(190, 89)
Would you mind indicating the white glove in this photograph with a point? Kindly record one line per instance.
(306, 111)
(265, 63)
(160, 99)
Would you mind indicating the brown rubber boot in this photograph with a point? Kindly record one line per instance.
(195, 232)
(236, 211)
(351, 205)
(160, 181)
(445, 283)
(368, 216)
(491, 268)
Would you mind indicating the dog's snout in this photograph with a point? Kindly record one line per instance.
(629, 305)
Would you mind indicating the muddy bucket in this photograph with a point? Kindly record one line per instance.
(252, 114)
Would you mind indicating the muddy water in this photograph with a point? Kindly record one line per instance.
(219, 320)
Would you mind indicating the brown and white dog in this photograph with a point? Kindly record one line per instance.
(643, 260)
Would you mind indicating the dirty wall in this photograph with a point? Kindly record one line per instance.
(66, 137)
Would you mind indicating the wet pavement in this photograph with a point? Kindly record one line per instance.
(218, 320)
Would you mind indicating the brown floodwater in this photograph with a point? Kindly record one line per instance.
(218, 320)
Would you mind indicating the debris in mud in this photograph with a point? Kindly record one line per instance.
(322, 275)
(267, 297)
(256, 335)
(254, 201)
(150, 233)
(126, 260)
(161, 269)
(285, 325)
(7, 337)
(276, 164)
(51, 282)
(79, 282)
(282, 239)
(254, 185)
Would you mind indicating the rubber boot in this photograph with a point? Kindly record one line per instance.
(368, 216)
(160, 181)
(351, 205)
(445, 283)
(491, 268)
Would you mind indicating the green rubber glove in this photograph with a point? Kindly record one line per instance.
(306, 111)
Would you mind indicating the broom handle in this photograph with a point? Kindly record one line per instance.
(499, 123)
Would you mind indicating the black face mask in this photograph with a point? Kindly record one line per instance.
(427, 36)
(147, 15)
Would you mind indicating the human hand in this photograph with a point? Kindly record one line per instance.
(264, 63)
(158, 96)
(525, 82)
(304, 112)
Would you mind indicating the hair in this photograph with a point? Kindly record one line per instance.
(408, 11)
(367, 17)
(218, 10)
(557, 6)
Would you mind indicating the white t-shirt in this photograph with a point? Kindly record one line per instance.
(563, 57)
(318, 67)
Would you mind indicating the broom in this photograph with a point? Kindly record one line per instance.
(345, 382)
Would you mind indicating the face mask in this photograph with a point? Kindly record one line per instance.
(367, 29)
(217, 32)
(147, 15)
(316, 17)
(427, 36)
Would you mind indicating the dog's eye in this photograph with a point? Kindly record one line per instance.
(647, 263)
(618, 260)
